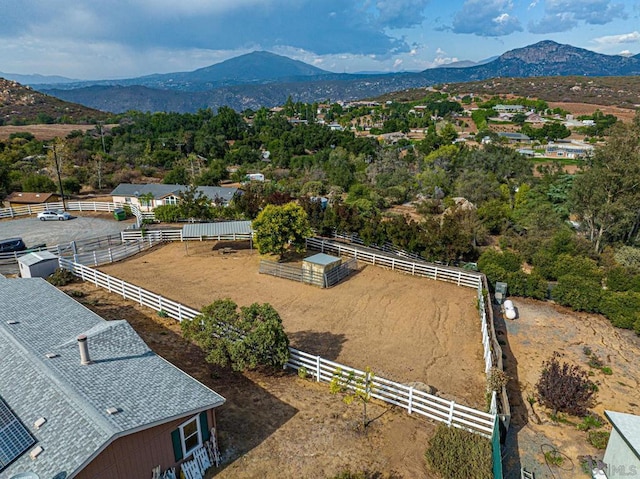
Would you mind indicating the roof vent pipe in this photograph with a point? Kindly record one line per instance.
(84, 350)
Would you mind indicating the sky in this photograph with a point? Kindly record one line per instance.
(108, 39)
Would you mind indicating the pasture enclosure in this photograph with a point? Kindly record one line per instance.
(403, 327)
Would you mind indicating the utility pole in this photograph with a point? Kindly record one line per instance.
(104, 150)
(55, 157)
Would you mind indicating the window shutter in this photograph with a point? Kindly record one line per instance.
(177, 444)
(204, 426)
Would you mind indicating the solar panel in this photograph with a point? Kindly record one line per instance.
(15, 439)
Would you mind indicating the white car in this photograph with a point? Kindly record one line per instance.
(54, 215)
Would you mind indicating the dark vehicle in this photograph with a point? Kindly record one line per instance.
(11, 245)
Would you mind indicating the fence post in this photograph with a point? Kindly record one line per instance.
(109, 283)
(393, 264)
(459, 278)
(160, 303)
(140, 295)
(317, 368)
(410, 408)
(450, 420)
(435, 274)
(179, 312)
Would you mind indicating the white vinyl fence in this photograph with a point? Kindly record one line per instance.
(411, 399)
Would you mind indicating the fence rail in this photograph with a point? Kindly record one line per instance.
(439, 273)
(409, 398)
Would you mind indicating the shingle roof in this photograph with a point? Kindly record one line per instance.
(29, 198)
(125, 374)
(161, 190)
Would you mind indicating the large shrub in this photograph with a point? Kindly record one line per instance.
(527, 285)
(622, 309)
(564, 387)
(167, 213)
(457, 454)
(506, 260)
(579, 293)
(620, 278)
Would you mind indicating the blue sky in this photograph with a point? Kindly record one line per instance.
(89, 39)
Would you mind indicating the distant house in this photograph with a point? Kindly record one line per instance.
(622, 456)
(335, 126)
(514, 137)
(255, 177)
(81, 397)
(20, 198)
(509, 108)
(569, 150)
(149, 196)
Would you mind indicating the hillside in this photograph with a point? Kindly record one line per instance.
(22, 105)
(188, 92)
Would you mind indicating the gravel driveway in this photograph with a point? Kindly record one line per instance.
(35, 232)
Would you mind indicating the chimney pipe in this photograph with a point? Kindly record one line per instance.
(84, 350)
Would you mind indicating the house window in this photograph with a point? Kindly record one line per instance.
(171, 200)
(190, 436)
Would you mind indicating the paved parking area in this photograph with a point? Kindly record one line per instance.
(35, 232)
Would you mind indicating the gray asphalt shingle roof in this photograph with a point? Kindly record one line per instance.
(125, 374)
(628, 426)
(161, 190)
(36, 257)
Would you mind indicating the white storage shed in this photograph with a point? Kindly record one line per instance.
(39, 264)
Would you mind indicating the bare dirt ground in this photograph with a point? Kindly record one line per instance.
(277, 425)
(540, 329)
(43, 132)
(624, 114)
(405, 328)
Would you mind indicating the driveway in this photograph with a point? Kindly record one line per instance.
(35, 232)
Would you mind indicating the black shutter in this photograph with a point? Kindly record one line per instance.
(177, 444)
(204, 426)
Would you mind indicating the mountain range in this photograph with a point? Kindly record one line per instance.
(266, 79)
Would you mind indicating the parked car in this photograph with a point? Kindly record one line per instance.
(12, 245)
(54, 215)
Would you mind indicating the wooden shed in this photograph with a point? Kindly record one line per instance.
(40, 264)
(21, 198)
(314, 268)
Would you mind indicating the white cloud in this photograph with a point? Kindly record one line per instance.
(564, 15)
(486, 18)
(609, 40)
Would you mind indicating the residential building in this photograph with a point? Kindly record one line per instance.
(82, 397)
(149, 196)
(514, 137)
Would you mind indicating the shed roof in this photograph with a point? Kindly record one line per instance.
(322, 259)
(30, 198)
(223, 228)
(159, 190)
(36, 257)
(628, 426)
(513, 136)
(125, 374)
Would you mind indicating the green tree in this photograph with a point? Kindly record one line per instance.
(281, 228)
(245, 339)
(606, 194)
(194, 204)
(355, 387)
(38, 184)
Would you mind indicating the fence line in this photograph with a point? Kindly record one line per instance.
(409, 398)
(440, 273)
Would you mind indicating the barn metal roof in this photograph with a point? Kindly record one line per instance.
(322, 259)
(211, 230)
(41, 376)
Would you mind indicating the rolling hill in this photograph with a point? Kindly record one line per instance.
(264, 79)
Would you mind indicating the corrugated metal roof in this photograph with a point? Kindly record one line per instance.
(211, 230)
(322, 259)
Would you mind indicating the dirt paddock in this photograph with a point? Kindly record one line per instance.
(405, 328)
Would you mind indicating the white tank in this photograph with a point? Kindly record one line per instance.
(508, 304)
(510, 313)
